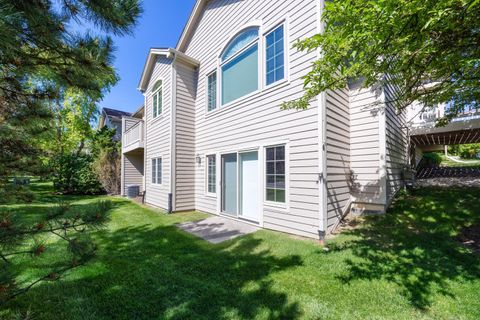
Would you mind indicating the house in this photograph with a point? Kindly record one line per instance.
(212, 136)
(112, 119)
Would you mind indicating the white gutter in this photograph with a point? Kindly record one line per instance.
(182, 57)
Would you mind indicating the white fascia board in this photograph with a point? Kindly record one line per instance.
(182, 57)
(149, 64)
(194, 16)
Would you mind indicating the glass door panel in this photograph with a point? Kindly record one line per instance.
(229, 184)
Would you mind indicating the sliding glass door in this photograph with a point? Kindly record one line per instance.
(249, 186)
(229, 184)
(240, 185)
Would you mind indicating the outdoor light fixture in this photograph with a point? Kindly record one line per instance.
(198, 159)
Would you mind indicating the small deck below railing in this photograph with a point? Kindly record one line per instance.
(133, 138)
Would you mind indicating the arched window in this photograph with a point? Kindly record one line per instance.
(240, 66)
(239, 42)
(157, 98)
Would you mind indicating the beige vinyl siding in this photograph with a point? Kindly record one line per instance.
(158, 134)
(366, 107)
(130, 122)
(338, 154)
(185, 138)
(257, 119)
(396, 144)
(133, 170)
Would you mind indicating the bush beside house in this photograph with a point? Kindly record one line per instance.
(74, 174)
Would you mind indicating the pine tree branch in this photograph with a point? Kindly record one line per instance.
(50, 276)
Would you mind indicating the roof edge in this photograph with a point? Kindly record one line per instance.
(169, 53)
(187, 30)
(154, 52)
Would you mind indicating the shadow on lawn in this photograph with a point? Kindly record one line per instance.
(165, 273)
(413, 245)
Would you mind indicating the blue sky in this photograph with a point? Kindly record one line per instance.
(160, 26)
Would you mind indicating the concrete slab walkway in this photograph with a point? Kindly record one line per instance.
(218, 229)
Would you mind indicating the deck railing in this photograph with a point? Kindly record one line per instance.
(432, 115)
(133, 135)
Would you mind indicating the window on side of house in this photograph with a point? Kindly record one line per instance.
(157, 96)
(157, 171)
(211, 174)
(212, 91)
(275, 174)
(240, 66)
(275, 55)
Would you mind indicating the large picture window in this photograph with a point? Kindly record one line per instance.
(157, 96)
(157, 171)
(211, 174)
(240, 66)
(275, 174)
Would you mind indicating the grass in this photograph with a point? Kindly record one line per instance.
(402, 265)
(466, 163)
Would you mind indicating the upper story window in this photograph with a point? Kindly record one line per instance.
(212, 91)
(157, 96)
(243, 70)
(275, 55)
(239, 66)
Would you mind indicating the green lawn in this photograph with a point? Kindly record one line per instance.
(466, 163)
(402, 265)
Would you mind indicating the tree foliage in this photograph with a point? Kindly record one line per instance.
(466, 151)
(75, 174)
(107, 159)
(428, 49)
(51, 76)
(41, 58)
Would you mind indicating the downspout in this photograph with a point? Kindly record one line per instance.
(144, 147)
(173, 151)
(122, 173)
(322, 148)
(382, 173)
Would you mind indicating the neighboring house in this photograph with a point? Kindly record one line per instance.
(213, 138)
(112, 119)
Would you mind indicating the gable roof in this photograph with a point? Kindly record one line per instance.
(113, 113)
(169, 53)
(191, 24)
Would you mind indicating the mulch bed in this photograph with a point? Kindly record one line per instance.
(470, 237)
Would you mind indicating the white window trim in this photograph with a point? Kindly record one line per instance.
(280, 205)
(207, 193)
(163, 100)
(217, 106)
(286, 54)
(262, 80)
(258, 42)
(156, 171)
